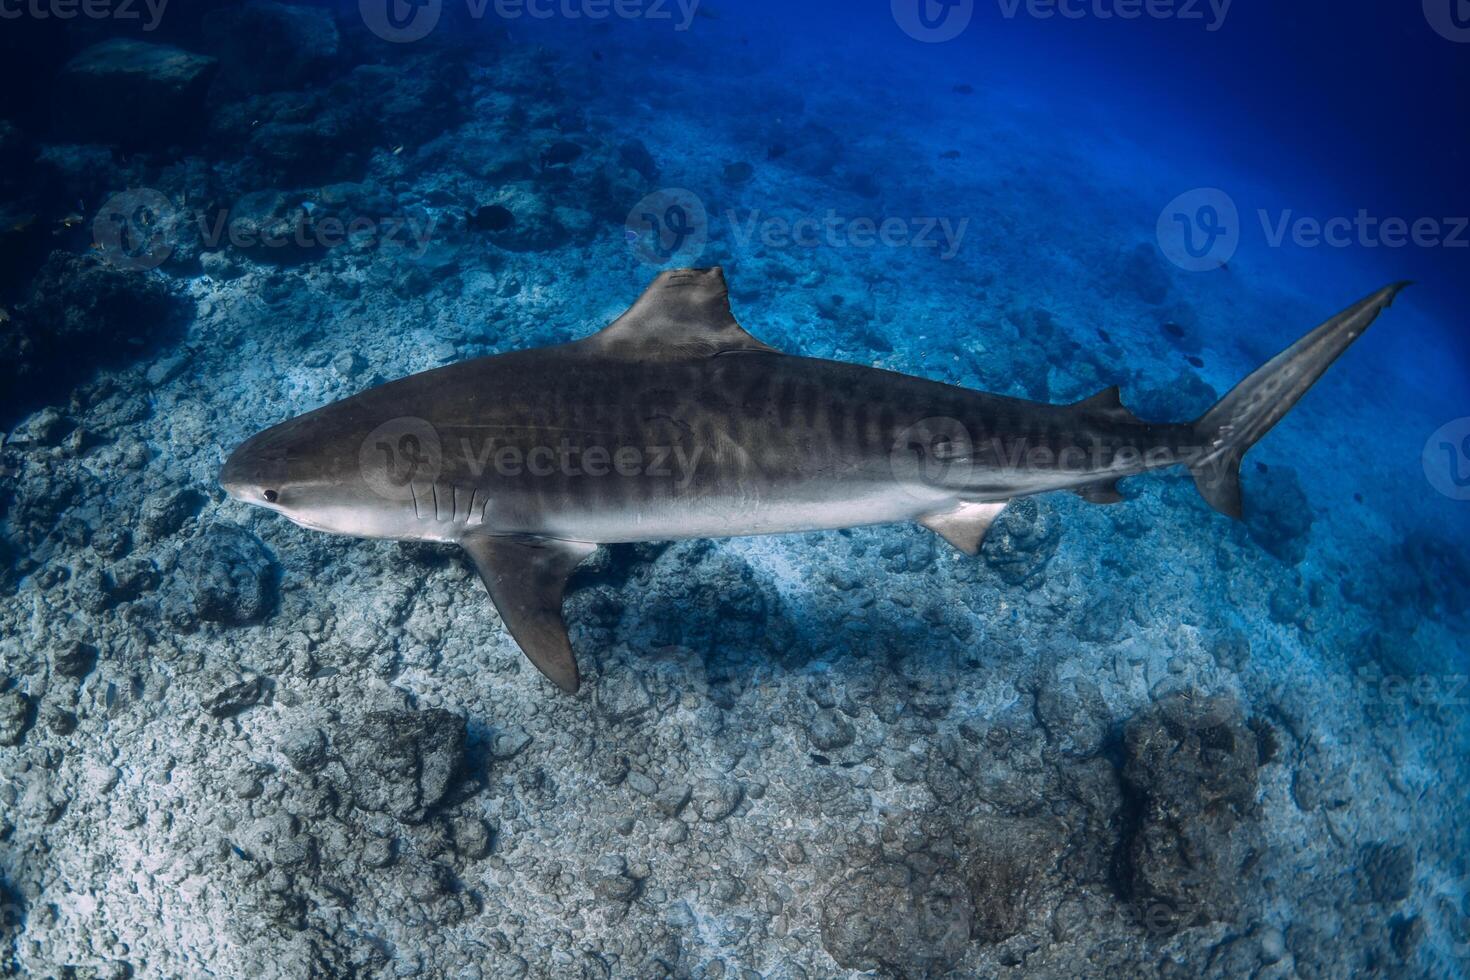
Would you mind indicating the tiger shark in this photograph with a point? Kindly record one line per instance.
(673, 422)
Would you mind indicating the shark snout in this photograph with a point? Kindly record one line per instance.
(251, 472)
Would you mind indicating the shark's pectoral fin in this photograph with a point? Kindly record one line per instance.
(965, 526)
(527, 577)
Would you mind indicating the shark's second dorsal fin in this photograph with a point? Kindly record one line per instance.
(685, 313)
(1108, 403)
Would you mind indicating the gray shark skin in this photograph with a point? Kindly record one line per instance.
(673, 422)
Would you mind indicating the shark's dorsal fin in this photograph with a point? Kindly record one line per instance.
(684, 314)
(527, 577)
(965, 526)
(1109, 403)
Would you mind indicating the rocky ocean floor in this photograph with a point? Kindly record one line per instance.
(1125, 741)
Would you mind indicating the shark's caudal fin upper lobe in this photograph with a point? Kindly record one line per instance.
(1248, 412)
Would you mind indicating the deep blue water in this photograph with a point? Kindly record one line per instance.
(1071, 134)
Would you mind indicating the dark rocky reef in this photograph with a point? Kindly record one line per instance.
(1190, 773)
(133, 94)
(81, 315)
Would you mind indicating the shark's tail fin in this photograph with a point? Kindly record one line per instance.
(1248, 412)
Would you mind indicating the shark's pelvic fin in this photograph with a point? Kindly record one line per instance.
(527, 577)
(965, 526)
(1244, 416)
(684, 314)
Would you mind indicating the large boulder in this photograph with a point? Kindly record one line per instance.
(1190, 768)
(82, 314)
(132, 93)
(402, 762)
(265, 46)
(1022, 542)
(1280, 518)
(229, 576)
(899, 919)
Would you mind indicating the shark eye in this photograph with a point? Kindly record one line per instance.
(271, 496)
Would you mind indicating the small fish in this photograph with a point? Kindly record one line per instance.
(4, 315)
(491, 217)
(964, 90)
(560, 154)
(950, 155)
(738, 172)
(72, 220)
(398, 149)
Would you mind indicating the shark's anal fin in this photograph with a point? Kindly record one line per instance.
(965, 526)
(527, 577)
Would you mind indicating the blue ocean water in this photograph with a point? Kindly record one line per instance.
(1129, 740)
